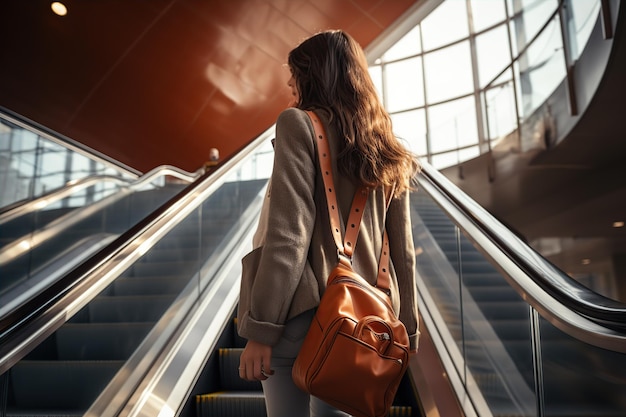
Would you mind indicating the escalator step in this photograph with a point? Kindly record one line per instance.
(232, 404)
(128, 308)
(498, 293)
(252, 404)
(450, 244)
(41, 385)
(486, 278)
(147, 285)
(503, 310)
(229, 363)
(400, 411)
(478, 267)
(512, 330)
(238, 341)
(444, 232)
(100, 341)
(182, 269)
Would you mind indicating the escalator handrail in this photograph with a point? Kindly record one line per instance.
(74, 186)
(29, 324)
(27, 206)
(601, 310)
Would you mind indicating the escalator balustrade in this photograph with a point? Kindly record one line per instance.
(65, 249)
(490, 323)
(65, 374)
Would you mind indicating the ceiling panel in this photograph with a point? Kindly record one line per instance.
(153, 82)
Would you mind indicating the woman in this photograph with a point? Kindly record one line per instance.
(284, 277)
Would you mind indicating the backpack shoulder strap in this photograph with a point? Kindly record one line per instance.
(345, 247)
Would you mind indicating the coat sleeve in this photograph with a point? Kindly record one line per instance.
(290, 224)
(402, 253)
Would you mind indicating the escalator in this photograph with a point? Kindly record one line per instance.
(45, 238)
(114, 313)
(506, 353)
(146, 327)
(61, 203)
(71, 367)
(519, 336)
(229, 395)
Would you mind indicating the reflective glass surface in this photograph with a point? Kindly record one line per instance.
(453, 125)
(528, 16)
(444, 25)
(510, 359)
(404, 87)
(582, 16)
(492, 48)
(448, 72)
(486, 318)
(410, 128)
(542, 68)
(40, 246)
(33, 163)
(451, 158)
(580, 379)
(483, 48)
(377, 78)
(60, 206)
(409, 45)
(143, 305)
(486, 13)
(501, 112)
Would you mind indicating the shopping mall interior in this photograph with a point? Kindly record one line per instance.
(135, 152)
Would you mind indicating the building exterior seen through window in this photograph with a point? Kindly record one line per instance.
(471, 71)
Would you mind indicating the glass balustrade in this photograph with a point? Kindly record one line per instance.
(147, 292)
(512, 361)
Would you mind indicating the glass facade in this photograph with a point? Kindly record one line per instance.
(33, 164)
(472, 71)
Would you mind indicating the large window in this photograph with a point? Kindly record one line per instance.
(403, 83)
(486, 13)
(528, 16)
(448, 72)
(581, 18)
(453, 125)
(32, 165)
(542, 67)
(446, 24)
(493, 53)
(409, 45)
(466, 75)
(410, 127)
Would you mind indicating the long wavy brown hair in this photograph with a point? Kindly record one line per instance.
(330, 71)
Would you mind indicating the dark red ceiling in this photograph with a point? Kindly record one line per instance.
(153, 82)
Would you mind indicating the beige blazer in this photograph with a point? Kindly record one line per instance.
(294, 251)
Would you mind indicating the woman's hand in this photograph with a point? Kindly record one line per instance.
(255, 362)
